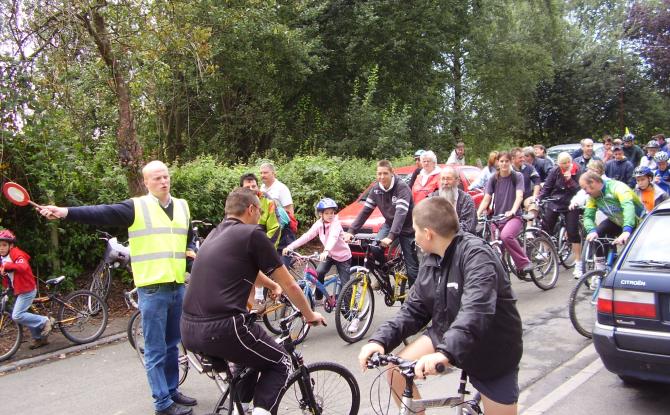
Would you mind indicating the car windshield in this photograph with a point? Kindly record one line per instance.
(404, 177)
(650, 249)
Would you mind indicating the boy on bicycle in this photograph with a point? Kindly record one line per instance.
(16, 273)
(464, 291)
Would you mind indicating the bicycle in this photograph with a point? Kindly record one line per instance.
(584, 296)
(117, 255)
(316, 388)
(75, 316)
(536, 243)
(381, 270)
(559, 235)
(409, 405)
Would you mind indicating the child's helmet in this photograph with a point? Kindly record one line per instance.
(325, 203)
(661, 156)
(652, 144)
(643, 171)
(7, 235)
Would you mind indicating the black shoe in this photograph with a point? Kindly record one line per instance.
(175, 409)
(184, 400)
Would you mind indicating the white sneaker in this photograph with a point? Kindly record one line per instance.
(260, 411)
(245, 408)
(578, 271)
(353, 327)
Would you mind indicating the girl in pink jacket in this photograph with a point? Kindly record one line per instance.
(335, 250)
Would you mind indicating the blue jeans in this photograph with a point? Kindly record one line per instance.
(161, 311)
(34, 322)
(408, 252)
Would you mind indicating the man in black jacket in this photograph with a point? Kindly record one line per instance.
(394, 199)
(464, 291)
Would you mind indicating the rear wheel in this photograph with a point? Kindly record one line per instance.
(564, 249)
(10, 336)
(583, 301)
(326, 388)
(82, 316)
(355, 308)
(134, 326)
(541, 252)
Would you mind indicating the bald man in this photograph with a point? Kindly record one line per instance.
(160, 238)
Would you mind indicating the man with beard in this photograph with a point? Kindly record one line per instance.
(462, 202)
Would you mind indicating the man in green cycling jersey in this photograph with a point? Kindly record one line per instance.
(617, 201)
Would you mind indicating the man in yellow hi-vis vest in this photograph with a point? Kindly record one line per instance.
(159, 233)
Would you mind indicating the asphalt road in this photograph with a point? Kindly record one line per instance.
(559, 372)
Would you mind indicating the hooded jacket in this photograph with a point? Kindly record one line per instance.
(24, 280)
(468, 297)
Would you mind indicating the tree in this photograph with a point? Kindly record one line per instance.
(647, 27)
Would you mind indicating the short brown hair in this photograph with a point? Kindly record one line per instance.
(239, 200)
(385, 163)
(590, 177)
(515, 151)
(437, 214)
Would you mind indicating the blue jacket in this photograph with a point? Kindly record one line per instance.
(664, 183)
(621, 171)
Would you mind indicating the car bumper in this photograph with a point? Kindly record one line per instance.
(636, 364)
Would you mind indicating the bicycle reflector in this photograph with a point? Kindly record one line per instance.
(629, 303)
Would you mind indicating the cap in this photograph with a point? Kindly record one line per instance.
(418, 153)
(617, 147)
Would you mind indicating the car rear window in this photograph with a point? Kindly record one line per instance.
(651, 242)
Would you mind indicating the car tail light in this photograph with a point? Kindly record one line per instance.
(627, 303)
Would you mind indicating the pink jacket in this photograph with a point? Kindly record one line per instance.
(330, 237)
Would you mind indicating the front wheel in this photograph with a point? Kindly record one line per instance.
(542, 255)
(320, 388)
(355, 308)
(583, 301)
(82, 316)
(11, 336)
(564, 249)
(101, 280)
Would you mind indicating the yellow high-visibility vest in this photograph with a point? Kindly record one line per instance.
(158, 244)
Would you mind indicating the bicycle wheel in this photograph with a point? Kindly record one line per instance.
(583, 301)
(275, 310)
(541, 252)
(134, 325)
(564, 249)
(355, 308)
(589, 256)
(11, 336)
(77, 319)
(330, 388)
(101, 280)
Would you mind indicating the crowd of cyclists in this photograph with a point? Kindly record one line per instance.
(431, 210)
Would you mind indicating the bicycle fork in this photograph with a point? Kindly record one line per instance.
(354, 293)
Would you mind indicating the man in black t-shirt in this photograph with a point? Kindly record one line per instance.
(215, 320)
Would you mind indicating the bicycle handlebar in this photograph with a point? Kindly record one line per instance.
(293, 254)
(406, 366)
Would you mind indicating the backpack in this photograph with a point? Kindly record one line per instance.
(494, 181)
(286, 220)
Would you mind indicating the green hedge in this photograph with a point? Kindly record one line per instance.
(204, 183)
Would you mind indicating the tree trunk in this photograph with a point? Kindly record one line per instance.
(130, 150)
(457, 76)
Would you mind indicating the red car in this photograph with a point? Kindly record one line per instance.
(468, 174)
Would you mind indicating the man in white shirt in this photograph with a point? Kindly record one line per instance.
(281, 195)
(458, 154)
(276, 189)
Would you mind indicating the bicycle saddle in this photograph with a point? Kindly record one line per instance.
(55, 281)
(215, 364)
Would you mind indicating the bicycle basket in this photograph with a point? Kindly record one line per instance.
(116, 253)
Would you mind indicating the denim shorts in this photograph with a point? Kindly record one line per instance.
(503, 389)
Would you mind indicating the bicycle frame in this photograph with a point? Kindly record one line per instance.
(392, 290)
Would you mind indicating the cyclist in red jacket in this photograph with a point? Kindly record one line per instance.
(16, 271)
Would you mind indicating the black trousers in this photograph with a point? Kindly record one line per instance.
(239, 340)
(571, 223)
(607, 229)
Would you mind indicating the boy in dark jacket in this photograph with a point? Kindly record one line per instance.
(620, 168)
(464, 291)
(15, 269)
